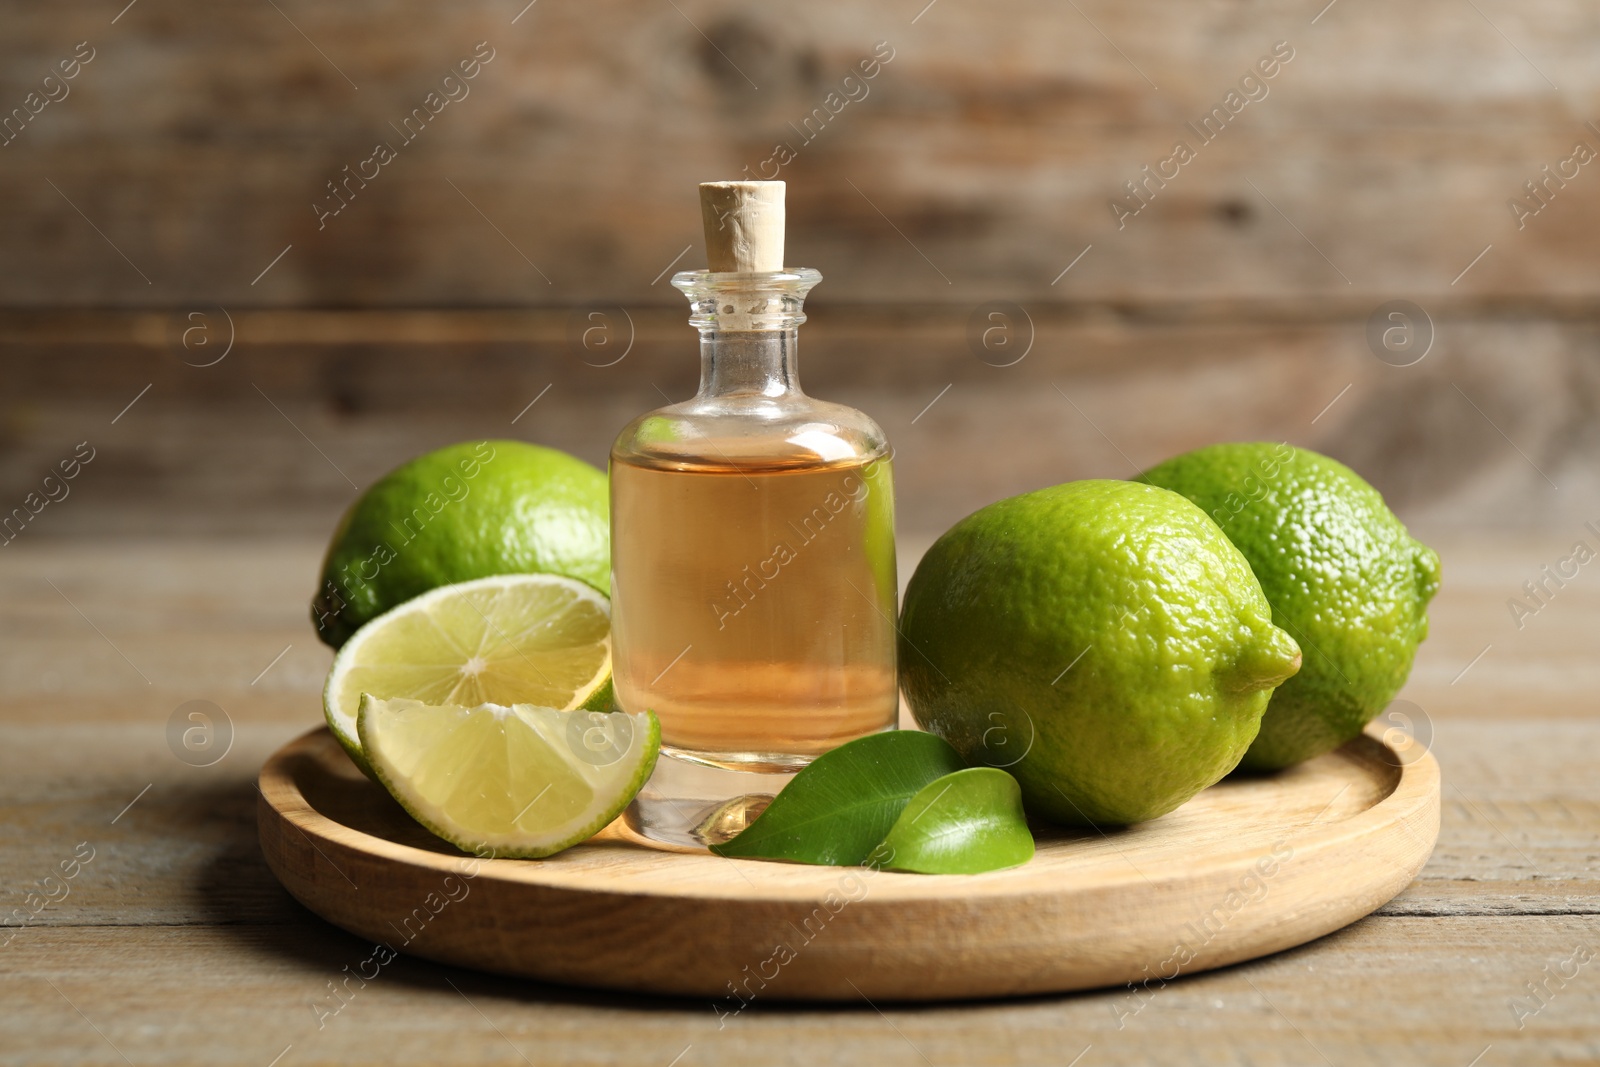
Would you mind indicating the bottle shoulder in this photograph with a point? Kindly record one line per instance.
(751, 432)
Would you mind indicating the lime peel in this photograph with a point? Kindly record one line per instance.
(1342, 573)
(1102, 641)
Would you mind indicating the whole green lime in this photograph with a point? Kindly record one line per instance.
(1101, 640)
(1341, 572)
(466, 511)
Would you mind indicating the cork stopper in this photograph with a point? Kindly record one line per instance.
(744, 225)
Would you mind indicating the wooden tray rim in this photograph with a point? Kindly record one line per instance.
(1414, 792)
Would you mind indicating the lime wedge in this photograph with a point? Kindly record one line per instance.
(514, 782)
(510, 639)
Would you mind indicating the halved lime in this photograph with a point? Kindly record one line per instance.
(510, 639)
(516, 782)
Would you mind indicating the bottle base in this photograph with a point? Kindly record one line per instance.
(690, 800)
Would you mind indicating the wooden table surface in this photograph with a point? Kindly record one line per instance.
(171, 942)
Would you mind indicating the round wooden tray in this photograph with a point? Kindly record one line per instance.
(1250, 866)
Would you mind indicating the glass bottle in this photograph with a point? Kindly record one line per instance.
(753, 567)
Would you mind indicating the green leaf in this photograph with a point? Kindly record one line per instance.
(839, 808)
(964, 823)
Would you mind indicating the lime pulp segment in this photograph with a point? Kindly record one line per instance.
(535, 639)
(514, 782)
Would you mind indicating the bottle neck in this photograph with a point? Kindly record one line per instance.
(749, 326)
(749, 363)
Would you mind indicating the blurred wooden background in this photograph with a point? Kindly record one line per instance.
(164, 206)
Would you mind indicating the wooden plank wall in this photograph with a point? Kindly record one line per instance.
(276, 437)
(1379, 161)
(178, 171)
